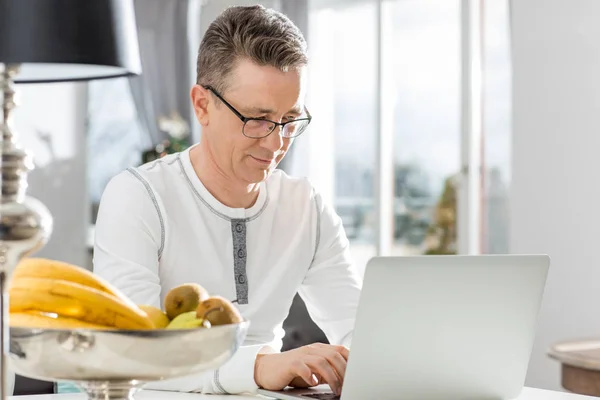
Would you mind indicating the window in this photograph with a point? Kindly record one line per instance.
(343, 137)
(426, 124)
(405, 126)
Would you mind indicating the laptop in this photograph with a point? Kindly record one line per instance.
(441, 327)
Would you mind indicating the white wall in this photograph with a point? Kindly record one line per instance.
(59, 179)
(555, 198)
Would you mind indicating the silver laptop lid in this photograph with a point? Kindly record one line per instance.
(445, 327)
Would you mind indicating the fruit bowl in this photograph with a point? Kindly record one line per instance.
(114, 364)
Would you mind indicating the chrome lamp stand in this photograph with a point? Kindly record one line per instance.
(25, 223)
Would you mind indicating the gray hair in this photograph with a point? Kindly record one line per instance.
(262, 35)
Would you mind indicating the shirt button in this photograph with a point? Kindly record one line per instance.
(239, 228)
(241, 279)
(241, 253)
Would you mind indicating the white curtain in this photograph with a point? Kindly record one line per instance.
(160, 91)
(124, 112)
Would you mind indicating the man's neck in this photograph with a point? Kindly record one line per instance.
(224, 188)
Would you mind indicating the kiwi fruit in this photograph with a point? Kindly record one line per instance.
(184, 298)
(218, 311)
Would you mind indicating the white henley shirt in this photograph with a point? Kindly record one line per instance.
(158, 227)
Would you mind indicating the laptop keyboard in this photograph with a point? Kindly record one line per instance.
(322, 396)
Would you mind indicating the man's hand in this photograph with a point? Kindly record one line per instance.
(306, 366)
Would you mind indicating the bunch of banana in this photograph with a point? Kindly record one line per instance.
(57, 295)
(52, 294)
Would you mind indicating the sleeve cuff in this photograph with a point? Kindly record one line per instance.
(237, 375)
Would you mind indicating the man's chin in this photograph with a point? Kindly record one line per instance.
(260, 175)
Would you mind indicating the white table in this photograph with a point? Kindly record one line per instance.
(527, 394)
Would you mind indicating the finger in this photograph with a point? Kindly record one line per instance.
(334, 355)
(320, 365)
(338, 362)
(343, 350)
(303, 371)
(320, 379)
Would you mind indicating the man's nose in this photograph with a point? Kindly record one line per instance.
(274, 141)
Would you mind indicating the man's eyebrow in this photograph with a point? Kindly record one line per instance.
(296, 110)
(257, 110)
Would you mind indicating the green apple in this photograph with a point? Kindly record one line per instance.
(188, 320)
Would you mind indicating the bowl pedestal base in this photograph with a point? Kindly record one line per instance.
(110, 390)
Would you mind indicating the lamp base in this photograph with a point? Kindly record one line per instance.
(25, 223)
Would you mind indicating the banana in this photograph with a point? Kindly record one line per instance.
(70, 299)
(158, 317)
(52, 269)
(38, 320)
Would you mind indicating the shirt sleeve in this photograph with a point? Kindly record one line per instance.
(331, 288)
(129, 238)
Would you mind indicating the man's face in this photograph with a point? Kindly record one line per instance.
(256, 92)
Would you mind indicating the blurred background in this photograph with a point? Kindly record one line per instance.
(440, 127)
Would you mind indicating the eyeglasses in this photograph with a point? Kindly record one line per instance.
(258, 128)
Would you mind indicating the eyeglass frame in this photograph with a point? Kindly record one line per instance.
(245, 119)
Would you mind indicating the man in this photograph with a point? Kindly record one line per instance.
(219, 214)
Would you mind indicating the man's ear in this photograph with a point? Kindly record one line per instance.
(200, 99)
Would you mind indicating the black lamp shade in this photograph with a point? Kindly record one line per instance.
(69, 40)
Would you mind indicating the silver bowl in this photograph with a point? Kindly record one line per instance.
(114, 364)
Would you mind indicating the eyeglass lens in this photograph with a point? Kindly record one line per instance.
(260, 128)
